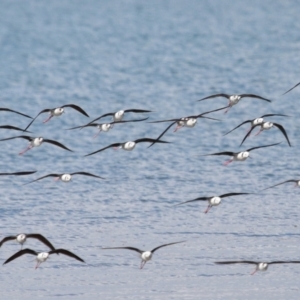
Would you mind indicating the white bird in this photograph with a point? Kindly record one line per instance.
(296, 181)
(254, 122)
(260, 266)
(22, 237)
(239, 156)
(213, 200)
(65, 177)
(118, 116)
(145, 255)
(36, 142)
(267, 126)
(234, 99)
(56, 112)
(105, 127)
(42, 256)
(128, 146)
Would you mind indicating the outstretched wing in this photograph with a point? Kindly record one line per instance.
(291, 88)
(87, 174)
(14, 111)
(76, 107)
(153, 250)
(254, 96)
(214, 96)
(281, 128)
(57, 144)
(20, 253)
(66, 252)
(7, 238)
(128, 248)
(41, 238)
(49, 175)
(197, 199)
(41, 112)
(262, 146)
(291, 180)
(102, 149)
(248, 121)
(248, 133)
(233, 194)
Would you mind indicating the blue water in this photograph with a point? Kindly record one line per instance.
(161, 56)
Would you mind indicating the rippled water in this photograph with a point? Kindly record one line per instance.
(160, 56)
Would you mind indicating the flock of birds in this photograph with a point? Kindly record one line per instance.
(117, 118)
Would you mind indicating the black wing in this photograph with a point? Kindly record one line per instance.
(76, 107)
(197, 199)
(148, 140)
(162, 134)
(215, 95)
(14, 111)
(19, 173)
(137, 110)
(49, 175)
(248, 133)
(8, 238)
(284, 262)
(13, 128)
(128, 248)
(220, 153)
(66, 252)
(291, 89)
(20, 253)
(272, 115)
(280, 127)
(262, 146)
(57, 144)
(102, 116)
(87, 174)
(41, 112)
(254, 96)
(153, 250)
(236, 262)
(109, 146)
(41, 238)
(291, 180)
(28, 138)
(233, 194)
(248, 121)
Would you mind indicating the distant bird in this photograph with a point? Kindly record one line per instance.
(105, 127)
(42, 256)
(260, 266)
(22, 237)
(118, 116)
(238, 156)
(213, 200)
(128, 146)
(254, 122)
(296, 181)
(18, 173)
(65, 177)
(145, 255)
(14, 111)
(189, 121)
(56, 112)
(234, 99)
(13, 128)
(267, 126)
(291, 88)
(36, 142)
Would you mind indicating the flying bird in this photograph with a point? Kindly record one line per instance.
(260, 266)
(267, 126)
(36, 142)
(234, 99)
(56, 112)
(239, 156)
(128, 146)
(22, 237)
(118, 116)
(291, 88)
(65, 177)
(145, 255)
(189, 122)
(42, 256)
(254, 122)
(14, 111)
(213, 200)
(105, 127)
(296, 181)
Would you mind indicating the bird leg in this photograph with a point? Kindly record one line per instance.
(253, 272)
(227, 162)
(177, 128)
(96, 134)
(208, 208)
(143, 262)
(28, 148)
(56, 178)
(38, 264)
(229, 106)
(48, 119)
(259, 132)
